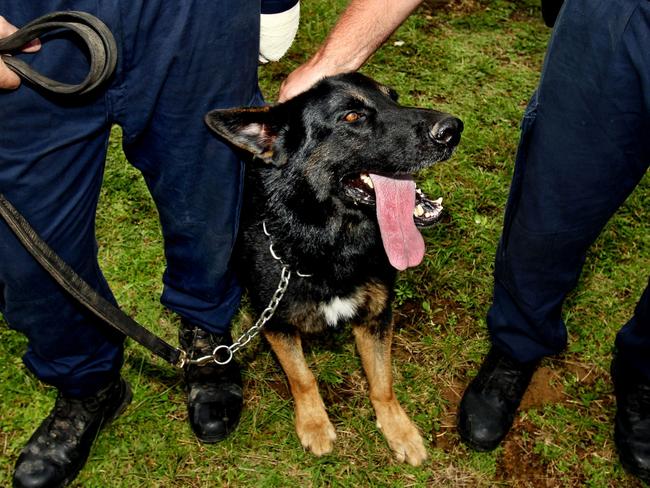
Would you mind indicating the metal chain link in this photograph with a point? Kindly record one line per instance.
(223, 354)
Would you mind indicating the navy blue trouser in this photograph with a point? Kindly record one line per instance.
(585, 145)
(177, 61)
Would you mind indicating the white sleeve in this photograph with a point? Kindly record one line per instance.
(277, 32)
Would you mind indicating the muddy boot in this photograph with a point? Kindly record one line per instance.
(632, 422)
(488, 407)
(214, 392)
(59, 448)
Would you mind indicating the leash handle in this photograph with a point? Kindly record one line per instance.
(98, 38)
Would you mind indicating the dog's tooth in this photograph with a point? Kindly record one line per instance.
(428, 214)
(438, 201)
(367, 180)
(418, 211)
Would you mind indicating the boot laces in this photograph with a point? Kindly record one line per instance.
(508, 379)
(639, 400)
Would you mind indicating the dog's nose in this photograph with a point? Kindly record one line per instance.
(447, 131)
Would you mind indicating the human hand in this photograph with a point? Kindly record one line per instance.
(303, 78)
(360, 31)
(8, 79)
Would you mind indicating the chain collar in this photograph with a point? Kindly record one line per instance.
(223, 354)
(273, 253)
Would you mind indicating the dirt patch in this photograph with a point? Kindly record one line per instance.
(412, 318)
(487, 208)
(338, 394)
(281, 388)
(408, 315)
(445, 437)
(520, 464)
(545, 387)
(585, 374)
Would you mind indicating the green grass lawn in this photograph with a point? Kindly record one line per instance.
(477, 59)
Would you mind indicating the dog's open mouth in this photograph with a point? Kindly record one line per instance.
(361, 189)
(401, 207)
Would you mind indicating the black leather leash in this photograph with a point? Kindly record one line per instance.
(103, 57)
(76, 286)
(92, 31)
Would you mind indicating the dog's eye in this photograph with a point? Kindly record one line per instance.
(353, 117)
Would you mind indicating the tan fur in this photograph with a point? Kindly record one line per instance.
(307, 318)
(314, 429)
(377, 297)
(402, 435)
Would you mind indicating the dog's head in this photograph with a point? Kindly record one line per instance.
(351, 140)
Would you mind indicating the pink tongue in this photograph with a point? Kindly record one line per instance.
(403, 242)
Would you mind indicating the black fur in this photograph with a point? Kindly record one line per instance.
(310, 148)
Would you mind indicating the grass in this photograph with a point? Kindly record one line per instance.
(480, 60)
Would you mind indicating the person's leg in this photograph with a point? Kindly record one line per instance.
(193, 58)
(633, 340)
(584, 148)
(582, 152)
(631, 376)
(51, 163)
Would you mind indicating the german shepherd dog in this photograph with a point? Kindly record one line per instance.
(337, 201)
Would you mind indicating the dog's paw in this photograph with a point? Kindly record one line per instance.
(402, 435)
(408, 446)
(317, 435)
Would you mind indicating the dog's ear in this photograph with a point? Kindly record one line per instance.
(249, 129)
(387, 90)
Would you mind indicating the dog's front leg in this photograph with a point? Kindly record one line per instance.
(314, 428)
(402, 435)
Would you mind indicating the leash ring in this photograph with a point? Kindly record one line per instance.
(221, 350)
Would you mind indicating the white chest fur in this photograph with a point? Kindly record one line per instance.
(339, 309)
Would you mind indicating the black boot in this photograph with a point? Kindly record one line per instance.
(488, 407)
(214, 392)
(632, 422)
(59, 448)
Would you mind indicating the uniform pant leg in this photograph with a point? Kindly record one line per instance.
(185, 59)
(633, 340)
(51, 163)
(584, 148)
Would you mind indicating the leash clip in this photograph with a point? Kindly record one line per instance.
(221, 355)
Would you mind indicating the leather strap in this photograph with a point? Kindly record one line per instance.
(81, 291)
(92, 31)
(103, 58)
